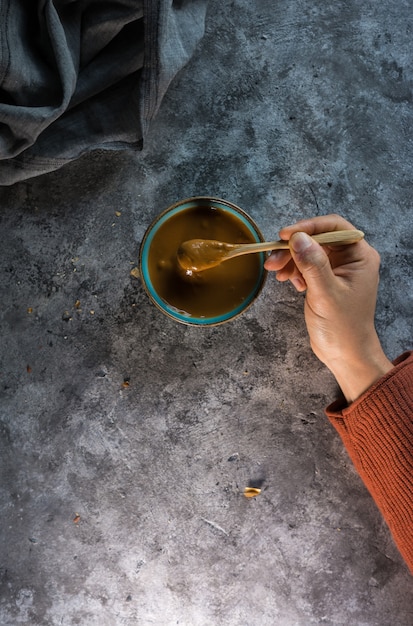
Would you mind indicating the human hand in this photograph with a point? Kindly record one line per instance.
(341, 284)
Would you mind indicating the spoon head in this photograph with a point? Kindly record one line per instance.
(197, 255)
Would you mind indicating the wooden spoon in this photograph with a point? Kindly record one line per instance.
(197, 255)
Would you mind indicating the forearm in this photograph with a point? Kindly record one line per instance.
(377, 431)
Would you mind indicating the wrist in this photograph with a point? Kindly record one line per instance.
(355, 376)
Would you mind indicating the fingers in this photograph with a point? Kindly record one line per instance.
(277, 260)
(286, 270)
(290, 272)
(298, 266)
(314, 225)
(312, 263)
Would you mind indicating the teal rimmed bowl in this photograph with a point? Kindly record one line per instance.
(217, 295)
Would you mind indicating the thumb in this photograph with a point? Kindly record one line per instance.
(312, 261)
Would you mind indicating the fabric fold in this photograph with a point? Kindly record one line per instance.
(81, 75)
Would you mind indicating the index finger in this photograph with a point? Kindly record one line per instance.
(315, 225)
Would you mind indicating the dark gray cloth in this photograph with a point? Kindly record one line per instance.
(80, 75)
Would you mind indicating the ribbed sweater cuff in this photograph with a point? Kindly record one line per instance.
(377, 431)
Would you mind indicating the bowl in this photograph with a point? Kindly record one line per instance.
(216, 295)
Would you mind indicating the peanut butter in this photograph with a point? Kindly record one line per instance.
(198, 255)
(215, 291)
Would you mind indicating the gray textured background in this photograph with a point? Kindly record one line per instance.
(288, 109)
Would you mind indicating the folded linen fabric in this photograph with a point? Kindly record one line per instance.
(79, 75)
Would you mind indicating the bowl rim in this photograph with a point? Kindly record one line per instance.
(171, 311)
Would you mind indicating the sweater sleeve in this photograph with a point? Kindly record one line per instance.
(377, 431)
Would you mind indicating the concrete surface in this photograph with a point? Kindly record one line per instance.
(127, 439)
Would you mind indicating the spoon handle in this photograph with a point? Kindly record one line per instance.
(335, 237)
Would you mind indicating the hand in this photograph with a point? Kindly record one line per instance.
(341, 284)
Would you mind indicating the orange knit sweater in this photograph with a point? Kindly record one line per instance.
(377, 431)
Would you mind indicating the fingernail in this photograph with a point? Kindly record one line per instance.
(300, 242)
